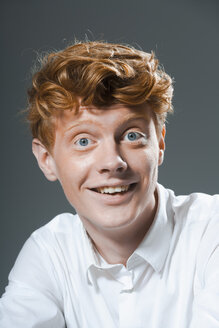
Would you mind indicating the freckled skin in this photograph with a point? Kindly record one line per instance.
(95, 149)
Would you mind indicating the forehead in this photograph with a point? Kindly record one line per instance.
(114, 116)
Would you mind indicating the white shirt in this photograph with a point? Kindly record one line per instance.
(170, 281)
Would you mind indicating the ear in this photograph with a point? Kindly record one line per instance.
(44, 159)
(162, 145)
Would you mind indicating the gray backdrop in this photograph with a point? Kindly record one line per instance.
(184, 35)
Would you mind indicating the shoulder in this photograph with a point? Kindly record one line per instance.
(58, 240)
(208, 253)
(196, 225)
(65, 225)
(195, 219)
(193, 208)
(49, 249)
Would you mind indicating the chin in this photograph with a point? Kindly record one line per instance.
(113, 221)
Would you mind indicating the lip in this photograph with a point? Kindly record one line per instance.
(114, 185)
(119, 198)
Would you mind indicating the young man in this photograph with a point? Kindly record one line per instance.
(135, 255)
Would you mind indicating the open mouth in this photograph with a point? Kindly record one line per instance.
(118, 190)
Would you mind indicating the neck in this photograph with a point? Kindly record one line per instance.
(116, 246)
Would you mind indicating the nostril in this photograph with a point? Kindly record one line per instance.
(120, 169)
(114, 167)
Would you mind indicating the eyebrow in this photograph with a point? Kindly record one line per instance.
(80, 123)
(124, 120)
(132, 117)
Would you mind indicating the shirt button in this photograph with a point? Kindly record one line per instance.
(127, 281)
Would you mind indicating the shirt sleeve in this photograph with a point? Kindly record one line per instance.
(32, 298)
(206, 291)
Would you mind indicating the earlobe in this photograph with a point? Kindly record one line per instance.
(162, 145)
(161, 157)
(44, 159)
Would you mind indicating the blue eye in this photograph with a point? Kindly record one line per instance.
(132, 136)
(83, 142)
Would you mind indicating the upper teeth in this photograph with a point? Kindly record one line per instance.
(111, 190)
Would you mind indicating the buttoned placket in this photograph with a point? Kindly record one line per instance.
(129, 276)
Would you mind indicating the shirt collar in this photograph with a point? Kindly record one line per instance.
(90, 256)
(155, 245)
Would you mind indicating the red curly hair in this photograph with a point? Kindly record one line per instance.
(99, 74)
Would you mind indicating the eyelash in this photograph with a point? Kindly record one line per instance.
(77, 142)
(139, 136)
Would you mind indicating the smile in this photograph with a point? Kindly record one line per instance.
(114, 190)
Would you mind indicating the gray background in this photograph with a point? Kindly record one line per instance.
(184, 35)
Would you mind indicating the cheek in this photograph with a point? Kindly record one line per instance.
(144, 161)
(74, 172)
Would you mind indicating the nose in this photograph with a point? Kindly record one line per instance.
(110, 159)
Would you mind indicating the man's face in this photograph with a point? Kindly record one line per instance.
(107, 162)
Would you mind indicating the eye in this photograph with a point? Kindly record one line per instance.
(133, 136)
(83, 142)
